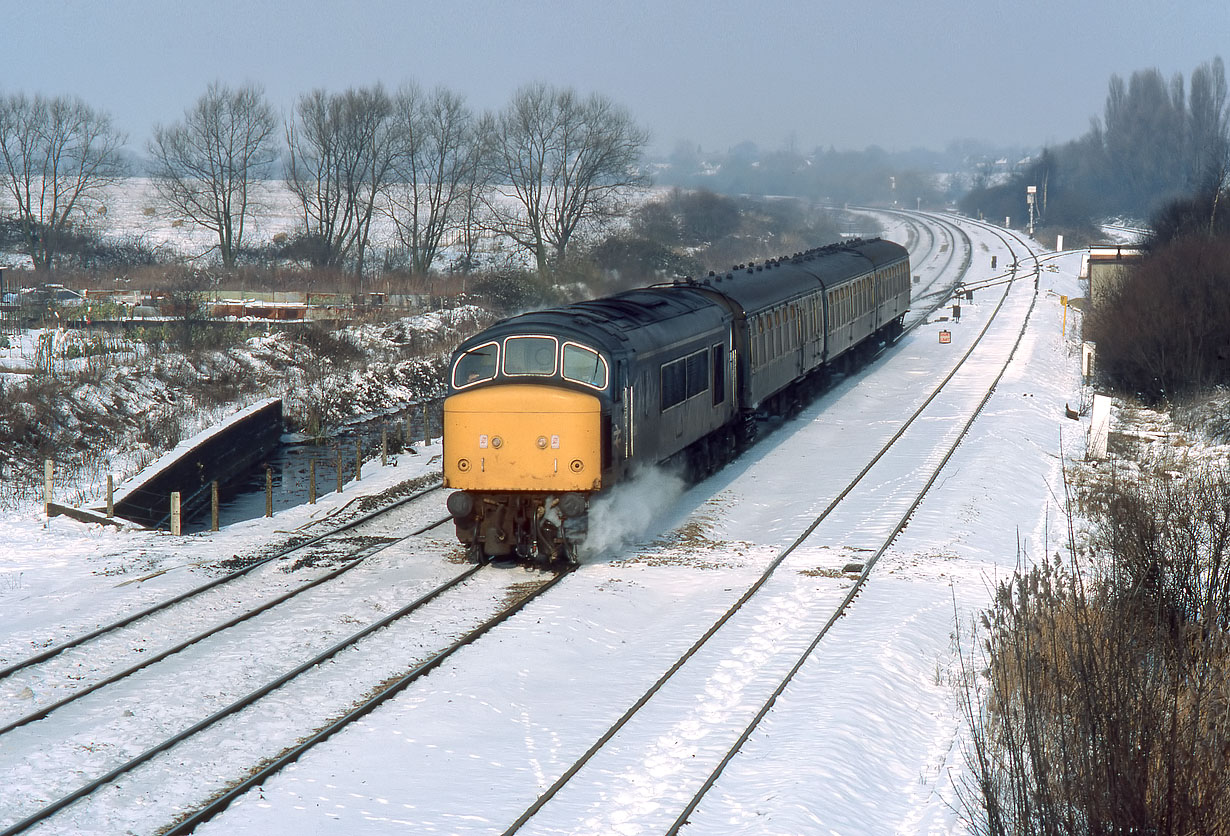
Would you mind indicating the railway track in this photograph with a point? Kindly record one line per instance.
(895, 481)
(947, 243)
(127, 630)
(301, 707)
(122, 658)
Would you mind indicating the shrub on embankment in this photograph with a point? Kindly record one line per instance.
(1164, 331)
(1099, 693)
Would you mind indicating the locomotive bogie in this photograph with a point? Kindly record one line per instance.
(547, 528)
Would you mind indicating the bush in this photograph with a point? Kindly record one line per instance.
(634, 262)
(1200, 215)
(1104, 703)
(1164, 331)
(511, 291)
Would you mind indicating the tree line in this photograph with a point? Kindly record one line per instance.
(551, 163)
(1157, 140)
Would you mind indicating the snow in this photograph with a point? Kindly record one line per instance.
(867, 737)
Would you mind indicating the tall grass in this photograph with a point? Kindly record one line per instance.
(1098, 694)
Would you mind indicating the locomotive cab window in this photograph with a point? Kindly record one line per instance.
(584, 365)
(530, 356)
(476, 365)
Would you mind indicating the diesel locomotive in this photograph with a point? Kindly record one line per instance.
(547, 409)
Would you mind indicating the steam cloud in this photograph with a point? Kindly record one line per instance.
(626, 512)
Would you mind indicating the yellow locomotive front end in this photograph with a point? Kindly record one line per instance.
(523, 458)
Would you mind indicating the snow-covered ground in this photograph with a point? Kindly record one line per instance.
(132, 211)
(867, 738)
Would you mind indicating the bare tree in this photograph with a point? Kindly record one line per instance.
(206, 166)
(339, 166)
(559, 162)
(59, 155)
(1210, 134)
(434, 170)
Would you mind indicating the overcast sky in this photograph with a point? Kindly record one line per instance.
(846, 74)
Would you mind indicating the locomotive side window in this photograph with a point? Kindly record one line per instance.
(674, 383)
(698, 372)
(685, 378)
(476, 365)
(584, 365)
(530, 355)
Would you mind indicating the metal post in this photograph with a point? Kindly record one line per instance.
(177, 527)
(213, 505)
(268, 491)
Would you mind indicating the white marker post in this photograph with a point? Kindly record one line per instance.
(177, 527)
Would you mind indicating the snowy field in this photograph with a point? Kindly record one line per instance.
(866, 739)
(131, 210)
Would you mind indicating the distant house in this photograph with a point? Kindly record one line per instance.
(1106, 266)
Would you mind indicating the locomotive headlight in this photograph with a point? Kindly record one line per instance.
(497, 442)
(542, 442)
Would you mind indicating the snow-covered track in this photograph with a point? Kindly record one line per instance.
(938, 289)
(655, 716)
(295, 701)
(196, 592)
(99, 658)
(885, 542)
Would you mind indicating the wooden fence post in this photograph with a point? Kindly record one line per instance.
(312, 481)
(177, 523)
(268, 491)
(110, 496)
(213, 506)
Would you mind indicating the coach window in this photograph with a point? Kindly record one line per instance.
(584, 365)
(476, 365)
(530, 355)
